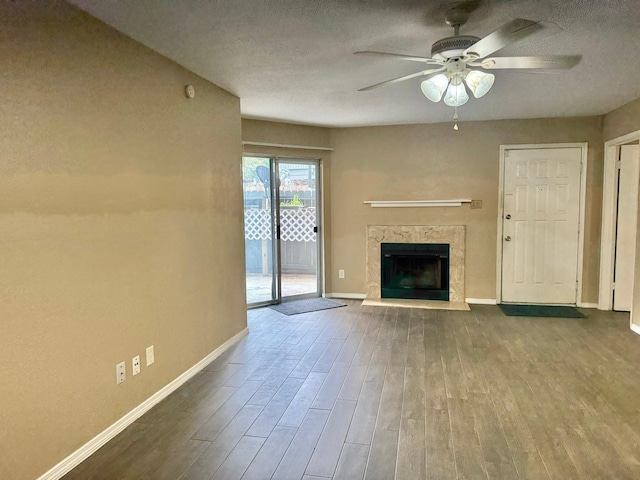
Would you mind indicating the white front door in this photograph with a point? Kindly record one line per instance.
(540, 225)
(626, 227)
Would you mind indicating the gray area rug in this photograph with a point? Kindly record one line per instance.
(307, 305)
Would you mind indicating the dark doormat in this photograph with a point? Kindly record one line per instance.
(540, 311)
(307, 305)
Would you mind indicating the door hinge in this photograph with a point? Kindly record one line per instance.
(613, 286)
(618, 164)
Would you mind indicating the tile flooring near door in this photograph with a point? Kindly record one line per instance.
(383, 393)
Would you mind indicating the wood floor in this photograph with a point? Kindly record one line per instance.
(382, 393)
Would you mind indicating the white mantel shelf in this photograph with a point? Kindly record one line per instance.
(417, 203)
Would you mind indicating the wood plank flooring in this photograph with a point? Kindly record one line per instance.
(382, 393)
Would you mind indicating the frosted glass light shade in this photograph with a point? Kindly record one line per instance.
(479, 82)
(434, 87)
(456, 95)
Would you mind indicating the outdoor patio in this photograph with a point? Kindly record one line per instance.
(259, 286)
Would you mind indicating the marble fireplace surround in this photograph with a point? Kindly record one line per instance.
(454, 235)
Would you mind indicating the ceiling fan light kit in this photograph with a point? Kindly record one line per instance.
(478, 82)
(460, 60)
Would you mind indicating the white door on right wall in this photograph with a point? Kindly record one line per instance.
(541, 199)
(626, 227)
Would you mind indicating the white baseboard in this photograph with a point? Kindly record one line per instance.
(587, 305)
(84, 452)
(635, 328)
(354, 296)
(481, 301)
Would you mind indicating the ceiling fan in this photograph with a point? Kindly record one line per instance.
(461, 59)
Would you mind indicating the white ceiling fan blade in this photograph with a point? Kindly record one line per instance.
(411, 58)
(511, 31)
(403, 78)
(549, 62)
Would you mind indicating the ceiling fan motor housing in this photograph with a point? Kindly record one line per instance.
(450, 47)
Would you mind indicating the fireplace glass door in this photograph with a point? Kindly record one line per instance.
(415, 271)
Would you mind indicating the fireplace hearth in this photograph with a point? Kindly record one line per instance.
(414, 271)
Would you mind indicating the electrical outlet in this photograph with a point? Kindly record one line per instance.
(135, 365)
(340, 273)
(476, 203)
(150, 355)
(121, 373)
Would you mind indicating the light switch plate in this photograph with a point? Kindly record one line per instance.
(150, 355)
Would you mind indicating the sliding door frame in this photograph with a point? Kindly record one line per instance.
(274, 162)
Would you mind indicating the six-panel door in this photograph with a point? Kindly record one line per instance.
(540, 225)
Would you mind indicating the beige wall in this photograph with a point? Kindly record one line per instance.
(422, 162)
(120, 227)
(621, 121)
(284, 133)
(299, 135)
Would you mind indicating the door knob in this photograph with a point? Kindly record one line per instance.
(507, 216)
(507, 238)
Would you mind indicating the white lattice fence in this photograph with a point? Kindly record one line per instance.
(257, 224)
(296, 225)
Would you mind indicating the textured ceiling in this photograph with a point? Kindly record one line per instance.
(292, 60)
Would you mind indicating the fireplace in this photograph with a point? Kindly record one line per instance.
(414, 270)
(453, 235)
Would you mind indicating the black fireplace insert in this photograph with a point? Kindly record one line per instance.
(415, 271)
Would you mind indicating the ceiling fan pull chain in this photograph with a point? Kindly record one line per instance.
(455, 118)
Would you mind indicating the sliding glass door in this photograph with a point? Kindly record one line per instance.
(281, 218)
(259, 230)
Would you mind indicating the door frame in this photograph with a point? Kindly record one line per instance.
(609, 217)
(583, 187)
